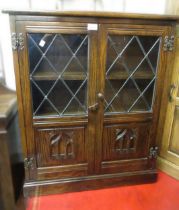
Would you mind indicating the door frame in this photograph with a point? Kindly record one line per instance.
(25, 27)
(128, 29)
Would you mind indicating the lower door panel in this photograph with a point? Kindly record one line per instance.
(125, 147)
(60, 152)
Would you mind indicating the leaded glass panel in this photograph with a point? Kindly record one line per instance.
(58, 73)
(131, 70)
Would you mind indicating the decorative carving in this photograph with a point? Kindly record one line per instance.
(125, 140)
(61, 145)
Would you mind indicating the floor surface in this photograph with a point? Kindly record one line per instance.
(162, 195)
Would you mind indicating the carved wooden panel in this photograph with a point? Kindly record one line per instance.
(57, 146)
(61, 145)
(125, 141)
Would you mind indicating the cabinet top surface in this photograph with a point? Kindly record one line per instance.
(103, 14)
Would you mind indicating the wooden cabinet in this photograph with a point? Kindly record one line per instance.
(11, 165)
(89, 88)
(168, 160)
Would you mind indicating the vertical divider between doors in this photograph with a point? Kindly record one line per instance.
(91, 129)
(102, 51)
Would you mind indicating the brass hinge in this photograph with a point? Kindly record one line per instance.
(153, 152)
(29, 163)
(168, 43)
(17, 41)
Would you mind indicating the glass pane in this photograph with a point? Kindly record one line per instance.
(131, 69)
(58, 73)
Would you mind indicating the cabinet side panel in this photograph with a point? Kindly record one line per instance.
(19, 89)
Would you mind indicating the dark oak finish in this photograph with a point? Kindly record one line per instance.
(108, 144)
(7, 110)
(89, 182)
(93, 14)
(11, 170)
(63, 150)
(7, 192)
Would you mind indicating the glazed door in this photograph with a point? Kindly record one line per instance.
(131, 89)
(58, 88)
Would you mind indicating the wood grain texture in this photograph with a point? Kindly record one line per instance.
(94, 14)
(100, 89)
(6, 192)
(92, 85)
(8, 106)
(19, 91)
(169, 153)
(53, 148)
(89, 182)
(24, 64)
(118, 166)
(8, 112)
(169, 57)
(26, 110)
(137, 136)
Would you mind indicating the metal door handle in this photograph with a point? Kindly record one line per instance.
(170, 95)
(100, 96)
(94, 107)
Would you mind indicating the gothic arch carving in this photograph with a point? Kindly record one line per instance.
(62, 145)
